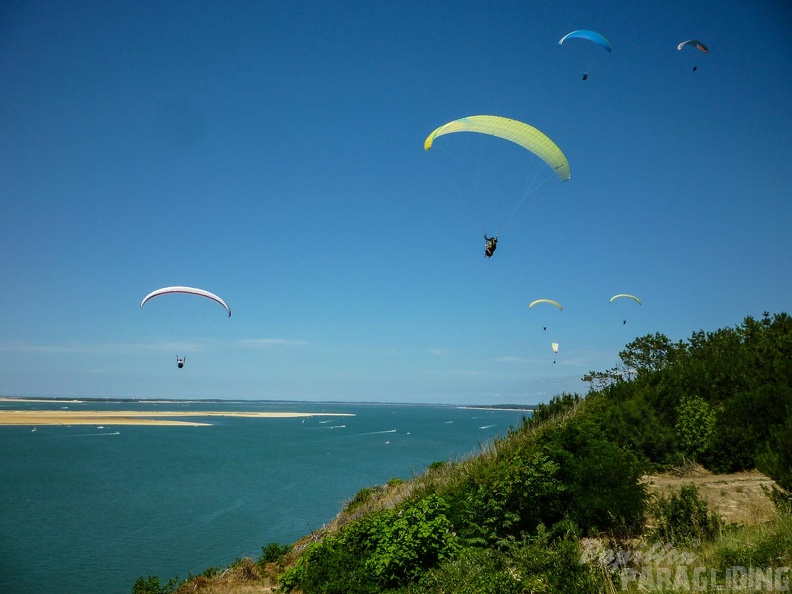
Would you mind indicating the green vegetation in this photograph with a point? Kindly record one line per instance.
(684, 517)
(558, 504)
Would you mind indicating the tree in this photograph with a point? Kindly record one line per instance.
(652, 352)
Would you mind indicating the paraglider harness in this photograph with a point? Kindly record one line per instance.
(492, 244)
(180, 361)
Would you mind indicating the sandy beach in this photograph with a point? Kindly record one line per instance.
(100, 417)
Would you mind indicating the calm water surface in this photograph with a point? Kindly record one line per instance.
(87, 509)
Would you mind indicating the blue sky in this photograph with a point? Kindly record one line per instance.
(272, 153)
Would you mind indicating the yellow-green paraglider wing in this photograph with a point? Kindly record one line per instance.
(555, 347)
(512, 130)
(612, 299)
(550, 301)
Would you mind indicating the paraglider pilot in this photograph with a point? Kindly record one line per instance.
(585, 75)
(180, 361)
(492, 244)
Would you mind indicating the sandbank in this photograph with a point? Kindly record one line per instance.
(112, 417)
(42, 400)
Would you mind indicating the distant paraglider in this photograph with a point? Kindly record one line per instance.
(625, 295)
(554, 346)
(592, 36)
(696, 44)
(548, 301)
(620, 295)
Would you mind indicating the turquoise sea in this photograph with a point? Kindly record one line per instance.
(85, 509)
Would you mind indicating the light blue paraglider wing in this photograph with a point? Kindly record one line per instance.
(589, 35)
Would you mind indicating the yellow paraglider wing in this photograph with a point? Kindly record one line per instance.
(555, 347)
(550, 301)
(612, 299)
(518, 132)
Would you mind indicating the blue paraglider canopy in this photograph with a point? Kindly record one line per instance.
(589, 35)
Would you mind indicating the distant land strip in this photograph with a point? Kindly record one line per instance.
(111, 417)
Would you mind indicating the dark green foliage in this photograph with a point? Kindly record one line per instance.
(480, 570)
(694, 426)
(329, 567)
(556, 407)
(739, 377)
(602, 489)
(508, 498)
(548, 562)
(273, 552)
(151, 585)
(211, 571)
(776, 459)
(360, 498)
(683, 517)
(436, 465)
(569, 471)
(634, 423)
(382, 550)
(744, 425)
(651, 353)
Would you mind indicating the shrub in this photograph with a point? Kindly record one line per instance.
(683, 517)
(776, 460)
(548, 562)
(602, 490)
(360, 498)
(381, 550)
(273, 552)
(484, 571)
(409, 540)
(151, 585)
(512, 496)
(694, 426)
(557, 406)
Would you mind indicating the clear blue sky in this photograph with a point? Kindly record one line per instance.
(272, 153)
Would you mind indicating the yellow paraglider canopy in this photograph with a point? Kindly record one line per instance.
(512, 130)
(612, 299)
(550, 301)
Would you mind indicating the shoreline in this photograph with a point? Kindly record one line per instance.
(110, 417)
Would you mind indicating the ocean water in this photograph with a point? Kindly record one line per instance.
(88, 510)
